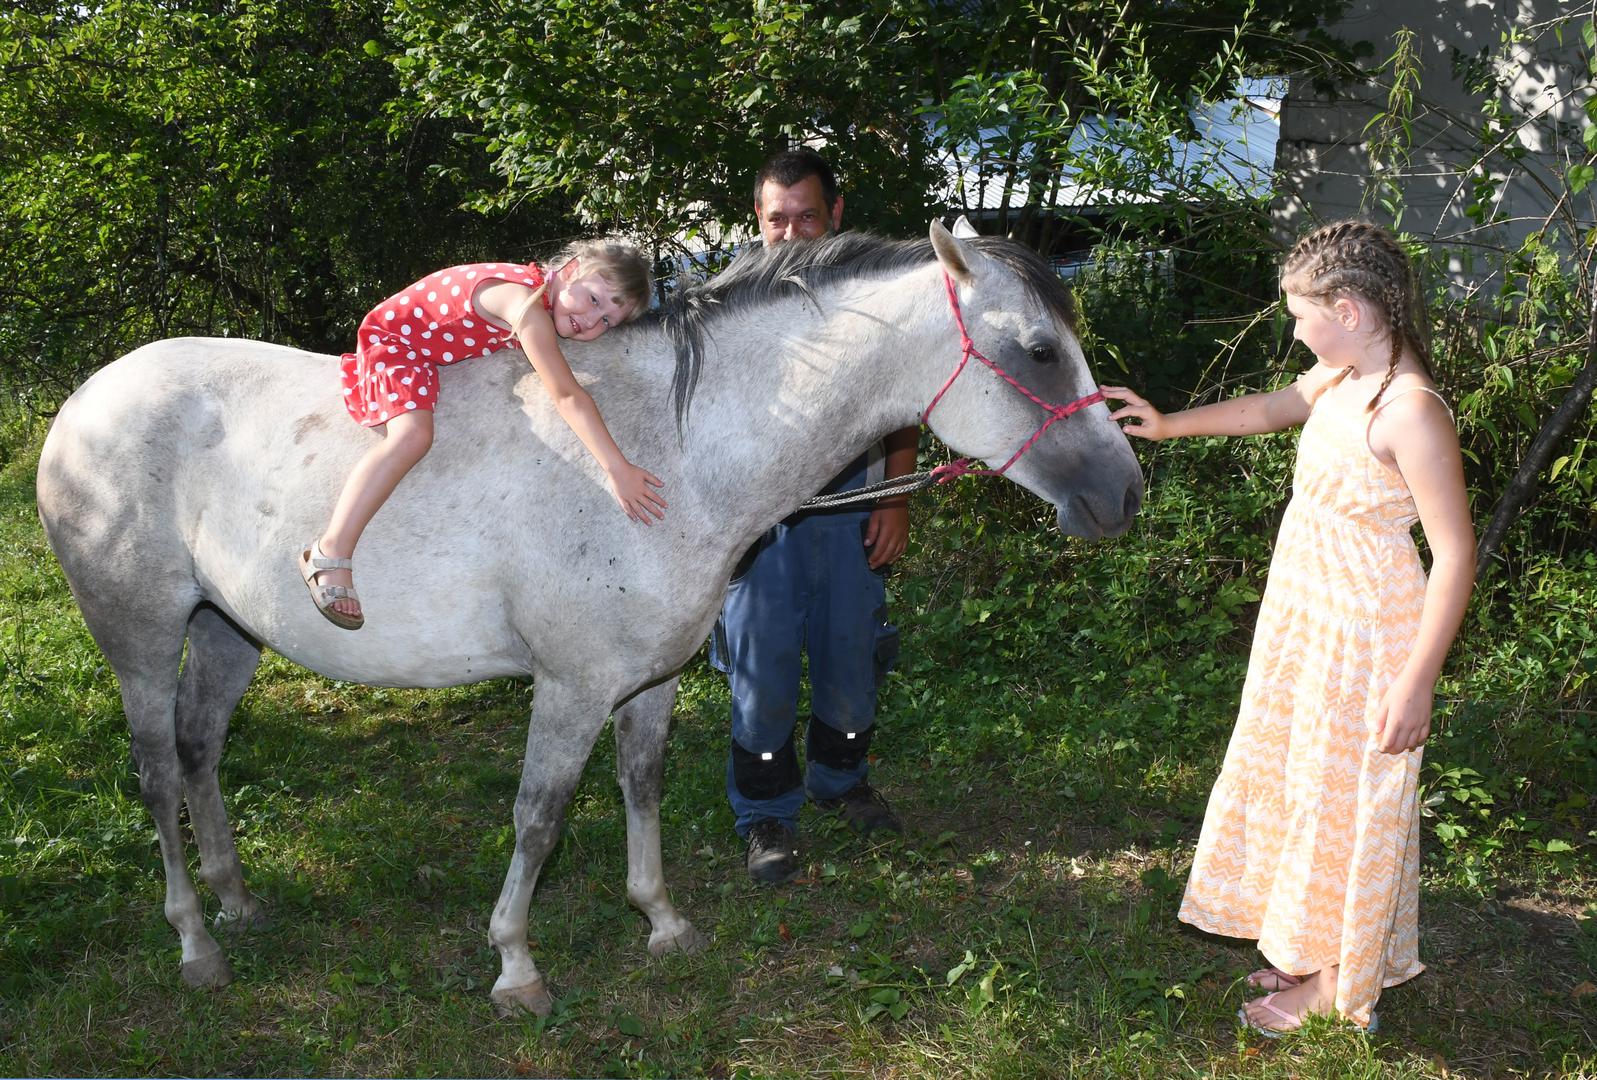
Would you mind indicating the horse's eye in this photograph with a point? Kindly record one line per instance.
(1044, 354)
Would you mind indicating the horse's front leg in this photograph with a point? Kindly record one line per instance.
(642, 725)
(565, 721)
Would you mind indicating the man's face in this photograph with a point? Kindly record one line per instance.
(798, 211)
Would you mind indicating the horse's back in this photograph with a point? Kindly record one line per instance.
(113, 455)
(170, 398)
(163, 456)
(196, 469)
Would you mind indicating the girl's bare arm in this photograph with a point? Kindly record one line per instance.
(1251, 414)
(521, 309)
(1420, 436)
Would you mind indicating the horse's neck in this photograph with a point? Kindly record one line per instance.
(790, 394)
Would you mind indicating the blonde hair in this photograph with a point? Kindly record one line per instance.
(1359, 259)
(622, 264)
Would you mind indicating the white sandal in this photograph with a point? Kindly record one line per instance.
(312, 563)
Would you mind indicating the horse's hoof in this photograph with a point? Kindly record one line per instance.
(515, 1000)
(245, 922)
(208, 972)
(685, 940)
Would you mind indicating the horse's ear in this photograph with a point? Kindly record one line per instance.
(963, 229)
(951, 253)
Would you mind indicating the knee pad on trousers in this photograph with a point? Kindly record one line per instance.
(836, 749)
(761, 776)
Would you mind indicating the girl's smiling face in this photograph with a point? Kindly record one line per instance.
(584, 306)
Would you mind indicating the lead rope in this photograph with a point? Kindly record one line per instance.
(913, 482)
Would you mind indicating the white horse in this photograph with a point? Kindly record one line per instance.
(177, 485)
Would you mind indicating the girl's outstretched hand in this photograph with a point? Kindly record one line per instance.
(632, 488)
(1150, 421)
(1403, 719)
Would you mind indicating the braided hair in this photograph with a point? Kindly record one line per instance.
(1357, 258)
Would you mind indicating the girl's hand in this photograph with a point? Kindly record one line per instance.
(1151, 422)
(631, 487)
(1403, 719)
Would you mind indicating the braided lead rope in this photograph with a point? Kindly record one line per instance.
(907, 484)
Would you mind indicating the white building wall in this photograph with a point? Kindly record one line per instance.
(1323, 156)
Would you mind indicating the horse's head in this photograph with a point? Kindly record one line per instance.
(1014, 411)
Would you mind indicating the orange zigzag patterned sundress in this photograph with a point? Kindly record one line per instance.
(1311, 840)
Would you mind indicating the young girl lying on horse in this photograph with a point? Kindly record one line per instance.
(391, 381)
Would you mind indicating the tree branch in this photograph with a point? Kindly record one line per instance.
(1523, 486)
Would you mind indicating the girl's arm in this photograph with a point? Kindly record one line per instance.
(522, 310)
(1422, 441)
(1251, 414)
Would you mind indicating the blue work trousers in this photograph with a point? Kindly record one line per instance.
(809, 589)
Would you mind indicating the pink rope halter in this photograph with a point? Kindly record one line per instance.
(967, 349)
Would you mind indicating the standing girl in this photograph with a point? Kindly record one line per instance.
(1311, 841)
(391, 381)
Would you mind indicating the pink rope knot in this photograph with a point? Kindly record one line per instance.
(955, 469)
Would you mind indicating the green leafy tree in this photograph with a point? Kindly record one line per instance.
(1100, 97)
(654, 118)
(172, 167)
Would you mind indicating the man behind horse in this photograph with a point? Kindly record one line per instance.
(814, 584)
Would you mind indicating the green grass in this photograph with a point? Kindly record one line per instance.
(1051, 737)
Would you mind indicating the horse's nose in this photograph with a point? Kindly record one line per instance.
(1133, 502)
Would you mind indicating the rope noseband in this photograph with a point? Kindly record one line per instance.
(953, 470)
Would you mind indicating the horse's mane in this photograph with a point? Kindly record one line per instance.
(797, 267)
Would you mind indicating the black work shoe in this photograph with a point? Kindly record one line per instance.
(773, 852)
(864, 809)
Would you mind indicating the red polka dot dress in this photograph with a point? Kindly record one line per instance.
(403, 340)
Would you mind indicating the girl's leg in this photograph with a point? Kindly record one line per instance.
(406, 440)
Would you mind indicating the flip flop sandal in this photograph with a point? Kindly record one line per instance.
(1276, 1033)
(1269, 1033)
(1273, 978)
(312, 563)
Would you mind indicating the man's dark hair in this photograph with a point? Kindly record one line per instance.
(791, 166)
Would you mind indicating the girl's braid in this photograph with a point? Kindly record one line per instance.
(1361, 259)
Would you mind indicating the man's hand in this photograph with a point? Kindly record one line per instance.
(888, 532)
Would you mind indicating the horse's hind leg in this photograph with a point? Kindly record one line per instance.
(221, 661)
(565, 722)
(145, 652)
(642, 725)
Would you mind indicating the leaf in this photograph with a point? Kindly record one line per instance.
(1579, 177)
(982, 994)
(629, 1025)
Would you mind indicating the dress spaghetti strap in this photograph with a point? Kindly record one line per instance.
(1411, 389)
(1370, 424)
